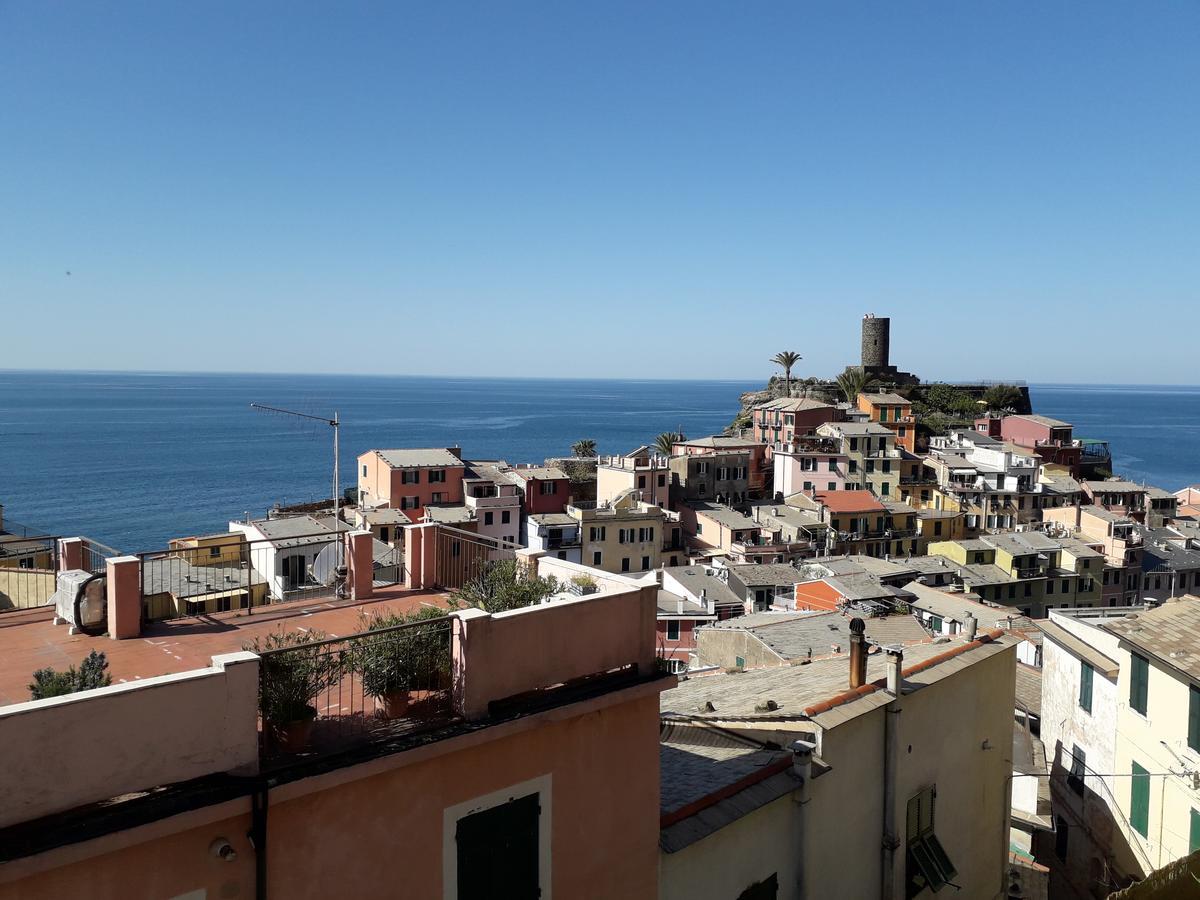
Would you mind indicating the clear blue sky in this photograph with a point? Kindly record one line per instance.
(634, 190)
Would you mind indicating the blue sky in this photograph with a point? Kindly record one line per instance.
(630, 190)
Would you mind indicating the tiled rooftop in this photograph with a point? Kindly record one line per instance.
(30, 641)
(1168, 633)
(801, 635)
(794, 689)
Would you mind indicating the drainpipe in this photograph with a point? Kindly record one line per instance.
(891, 712)
(258, 837)
(802, 754)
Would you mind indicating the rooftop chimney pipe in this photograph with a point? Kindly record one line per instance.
(895, 664)
(858, 653)
(972, 624)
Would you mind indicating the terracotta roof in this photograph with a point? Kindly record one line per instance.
(850, 501)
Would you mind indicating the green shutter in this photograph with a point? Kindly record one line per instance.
(1139, 800)
(1194, 718)
(1138, 677)
(1194, 834)
(1085, 687)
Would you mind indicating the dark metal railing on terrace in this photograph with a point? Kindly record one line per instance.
(328, 696)
(96, 555)
(461, 555)
(224, 575)
(28, 571)
(29, 568)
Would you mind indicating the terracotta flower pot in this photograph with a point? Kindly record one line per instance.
(392, 705)
(292, 737)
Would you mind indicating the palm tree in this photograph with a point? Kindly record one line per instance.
(853, 382)
(666, 441)
(1002, 397)
(787, 359)
(584, 448)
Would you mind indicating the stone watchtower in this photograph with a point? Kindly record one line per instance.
(876, 335)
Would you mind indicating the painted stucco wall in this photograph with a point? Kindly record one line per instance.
(67, 751)
(941, 733)
(382, 836)
(723, 864)
(1141, 739)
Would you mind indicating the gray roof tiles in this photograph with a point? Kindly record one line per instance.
(1167, 633)
(433, 457)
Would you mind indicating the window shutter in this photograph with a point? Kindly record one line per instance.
(1194, 717)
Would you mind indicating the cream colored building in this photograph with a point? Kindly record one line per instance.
(626, 535)
(846, 809)
(1125, 737)
(641, 470)
(1158, 728)
(872, 460)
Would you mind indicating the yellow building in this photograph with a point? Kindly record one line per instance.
(1027, 570)
(625, 536)
(223, 549)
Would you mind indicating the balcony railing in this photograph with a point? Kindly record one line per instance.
(328, 696)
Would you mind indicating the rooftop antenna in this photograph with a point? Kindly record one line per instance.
(335, 424)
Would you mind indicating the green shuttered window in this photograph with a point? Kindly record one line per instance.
(1085, 686)
(1139, 800)
(1194, 718)
(1139, 677)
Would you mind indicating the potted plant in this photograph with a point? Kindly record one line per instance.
(293, 669)
(402, 668)
(581, 585)
(383, 662)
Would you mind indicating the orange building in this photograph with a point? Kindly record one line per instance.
(894, 412)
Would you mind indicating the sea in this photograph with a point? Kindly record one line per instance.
(134, 459)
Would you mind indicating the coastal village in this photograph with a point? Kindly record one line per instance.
(879, 638)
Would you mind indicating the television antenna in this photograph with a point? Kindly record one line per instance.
(335, 424)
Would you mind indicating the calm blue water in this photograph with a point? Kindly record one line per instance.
(1154, 431)
(134, 459)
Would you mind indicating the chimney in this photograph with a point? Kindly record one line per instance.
(972, 623)
(858, 653)
(895, 665)
(802, 754)
(679, 605)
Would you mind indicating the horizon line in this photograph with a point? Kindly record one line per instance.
(759, 379)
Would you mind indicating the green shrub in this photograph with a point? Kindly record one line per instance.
(92, 673)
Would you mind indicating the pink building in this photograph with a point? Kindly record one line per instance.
(782, 420)
(544, 489)
(678, 618)
(410, 479)
(1050, 439)
(808, 464)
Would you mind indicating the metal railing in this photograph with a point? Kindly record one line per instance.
(327, 696)
(28, 572)
(190, 580)
(461, 555)
(96, 555)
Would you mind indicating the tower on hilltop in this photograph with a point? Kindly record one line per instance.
(876, 337)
